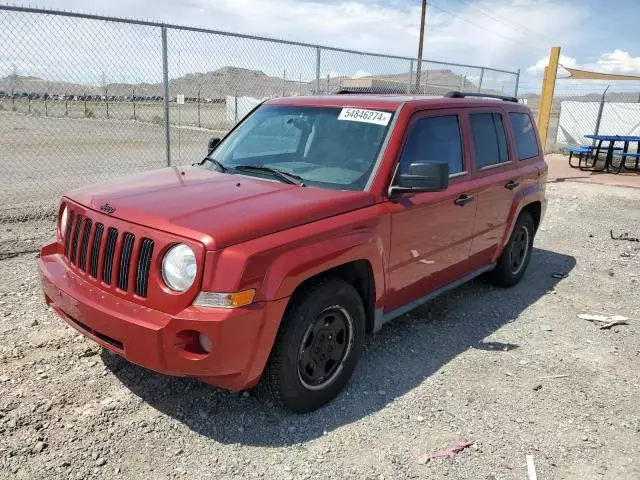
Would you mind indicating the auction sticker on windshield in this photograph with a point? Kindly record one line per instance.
(367, 116)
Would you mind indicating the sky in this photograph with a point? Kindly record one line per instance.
(505, 34)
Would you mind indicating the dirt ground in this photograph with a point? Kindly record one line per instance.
(515, 371)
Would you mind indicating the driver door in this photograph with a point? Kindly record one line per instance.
(431, 232)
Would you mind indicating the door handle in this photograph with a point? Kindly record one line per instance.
(462, 200)
(512, 184)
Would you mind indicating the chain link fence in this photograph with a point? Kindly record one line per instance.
(86, 98)
(615, 111)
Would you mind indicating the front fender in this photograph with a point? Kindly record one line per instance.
(295, 266)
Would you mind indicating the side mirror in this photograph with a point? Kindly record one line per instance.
(422, 177)
(213, 142)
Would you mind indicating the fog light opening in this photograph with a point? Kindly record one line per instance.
(193, 344)
(205, 343)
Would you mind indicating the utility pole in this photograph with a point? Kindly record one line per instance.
(420, 44)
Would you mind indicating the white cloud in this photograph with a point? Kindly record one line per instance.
(505, 34)
(540, 65)
(618, 61)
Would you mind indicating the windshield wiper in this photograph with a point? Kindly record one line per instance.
(286, 177)
(219, 166)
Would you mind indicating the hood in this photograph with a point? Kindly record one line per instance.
(214, 208)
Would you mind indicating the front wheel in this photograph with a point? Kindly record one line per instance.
(516, 254)
(317, 347)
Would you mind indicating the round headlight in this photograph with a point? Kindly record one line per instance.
(179, 267)
(63, 221)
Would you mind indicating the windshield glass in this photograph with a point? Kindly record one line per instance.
(324, 146)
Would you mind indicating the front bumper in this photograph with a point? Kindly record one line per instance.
(242, 338)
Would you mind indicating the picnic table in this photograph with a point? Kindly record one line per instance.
(611, 151)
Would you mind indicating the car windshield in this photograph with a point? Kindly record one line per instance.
(326, 147)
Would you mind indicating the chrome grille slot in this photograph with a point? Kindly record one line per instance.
(95, 251)
(144, 264)
(82, 261)
(110, 250)
(74, 242)
(125, 259)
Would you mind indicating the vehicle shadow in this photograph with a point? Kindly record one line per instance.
(404, 354)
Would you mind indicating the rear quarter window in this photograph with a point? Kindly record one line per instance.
(525, 135)
(489, 139)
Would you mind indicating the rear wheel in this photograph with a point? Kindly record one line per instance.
(517, 253)
(318, 346)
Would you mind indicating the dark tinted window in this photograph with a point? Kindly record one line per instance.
(525, 136)
(489, 139)
(434, 139)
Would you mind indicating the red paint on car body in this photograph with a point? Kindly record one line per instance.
(254, 233)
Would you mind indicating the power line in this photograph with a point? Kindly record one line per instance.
(483, 28)
(505, 21)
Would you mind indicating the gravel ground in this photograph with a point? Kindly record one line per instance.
(469, 366)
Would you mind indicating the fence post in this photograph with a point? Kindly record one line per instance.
(480, 81)
(165, 83)
(463, 81)
(317, 70)
(199, 89)
(515, 94)
(599, 118)
(284, 83)
(409, 80)
(235, 107)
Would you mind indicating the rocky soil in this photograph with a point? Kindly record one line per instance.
(515, 371)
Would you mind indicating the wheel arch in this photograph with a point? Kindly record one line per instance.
(357, 273)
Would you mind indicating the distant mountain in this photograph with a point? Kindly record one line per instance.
(225, 81)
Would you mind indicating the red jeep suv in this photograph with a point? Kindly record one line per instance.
(312, 223)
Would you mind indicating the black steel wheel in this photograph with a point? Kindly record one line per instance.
(317, 347)
(516, 255)
(324, 348)
(519, 249)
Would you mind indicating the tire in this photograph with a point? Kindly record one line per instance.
(299, 375)
(510, 271)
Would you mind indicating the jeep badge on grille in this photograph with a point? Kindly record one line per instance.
(106, 208)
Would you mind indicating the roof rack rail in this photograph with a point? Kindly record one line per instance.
(369, 90)
(456, 94)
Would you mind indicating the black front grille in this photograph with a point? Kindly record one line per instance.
(82, 261)
(144, 264)
(74, 242)
(91, 250)
(125, 260)
(95, 251)
(112, 236)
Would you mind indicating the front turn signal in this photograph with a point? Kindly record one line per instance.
(225, 300)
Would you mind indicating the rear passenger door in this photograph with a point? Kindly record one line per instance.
(496, 179)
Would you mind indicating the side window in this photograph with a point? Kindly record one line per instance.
(525, 135)
(434, 139)
(489, 139)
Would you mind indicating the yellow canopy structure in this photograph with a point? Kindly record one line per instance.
(574, 73)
